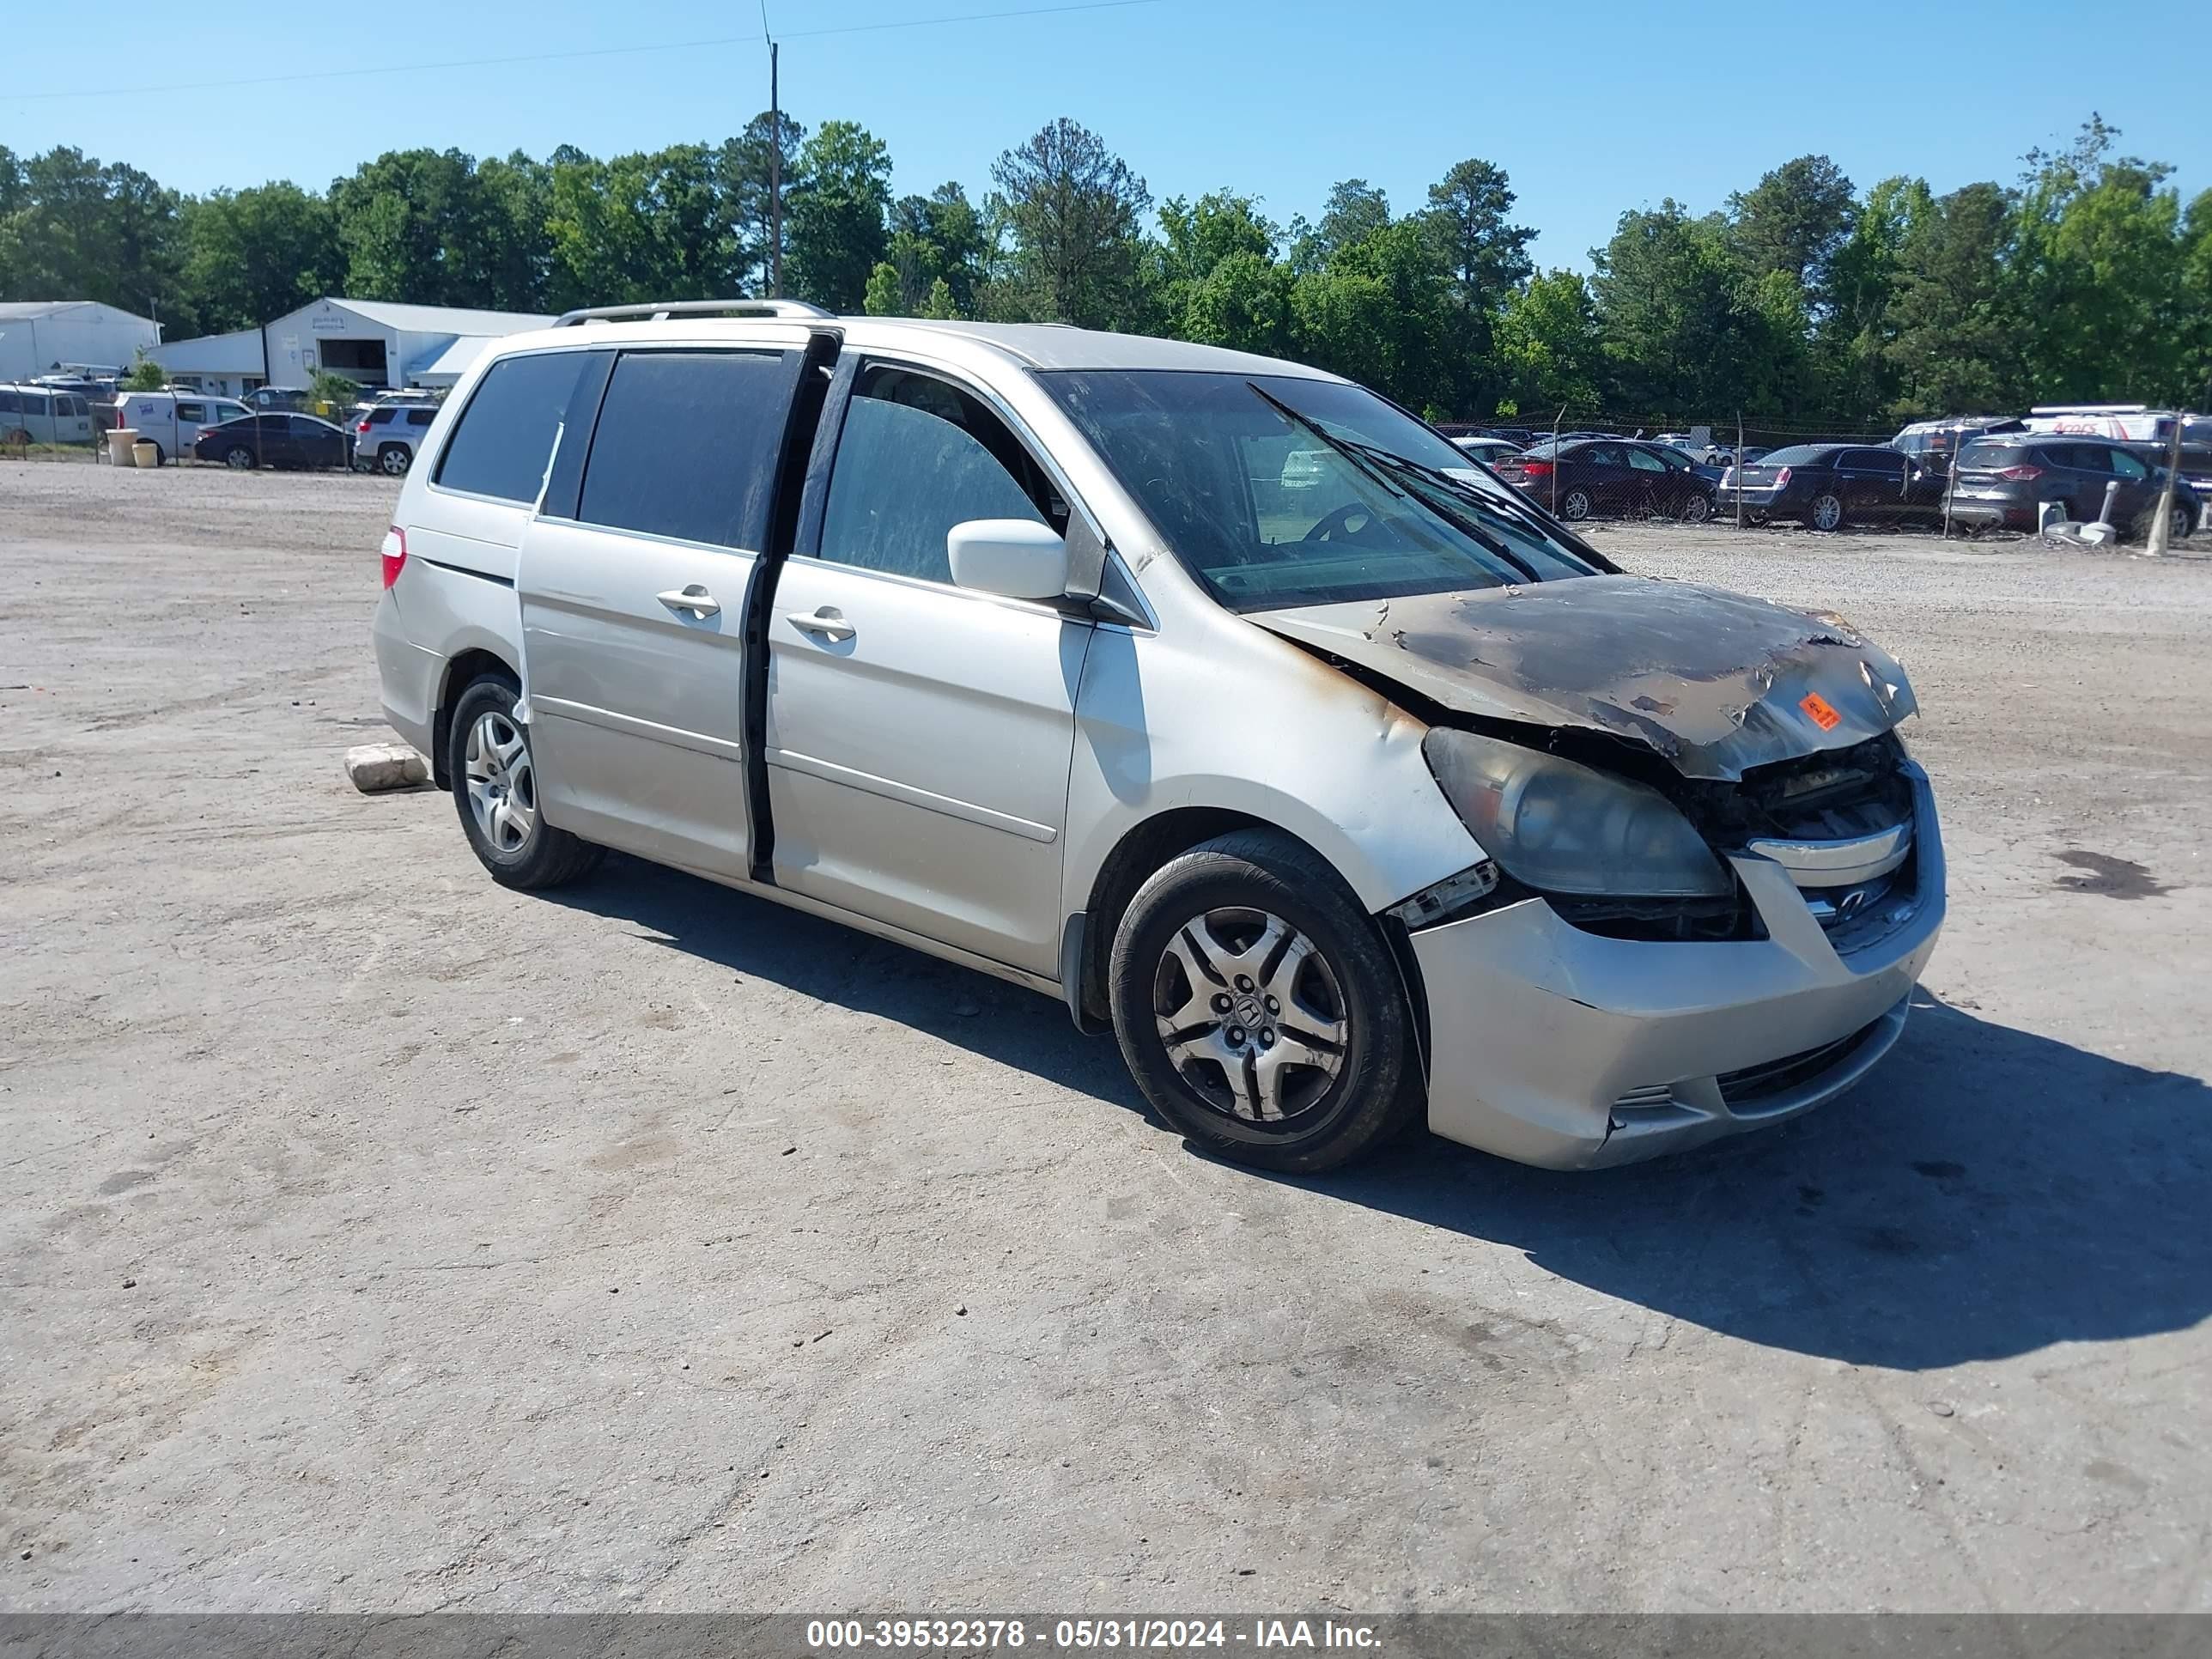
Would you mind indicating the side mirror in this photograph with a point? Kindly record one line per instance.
(1014, 558)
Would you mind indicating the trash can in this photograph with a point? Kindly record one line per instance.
(146, 453)
(119, 440)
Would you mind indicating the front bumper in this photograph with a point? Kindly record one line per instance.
(1565, 1048)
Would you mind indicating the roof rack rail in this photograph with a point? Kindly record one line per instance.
(659, 311)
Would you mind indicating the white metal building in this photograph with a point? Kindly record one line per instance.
(38, 336)
(223, 365)
(377, 342)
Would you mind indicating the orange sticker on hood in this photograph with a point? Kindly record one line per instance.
(1823, 716)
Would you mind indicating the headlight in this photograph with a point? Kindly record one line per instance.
(1561, 828)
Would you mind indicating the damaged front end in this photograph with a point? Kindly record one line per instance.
(1711, 873)
(1617, 743)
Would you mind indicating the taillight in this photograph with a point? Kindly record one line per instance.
(1536, 469)
(363, 428)
(1782, 477)
(2021, 473)
(395, 554)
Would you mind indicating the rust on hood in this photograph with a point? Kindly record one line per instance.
(1716, 682)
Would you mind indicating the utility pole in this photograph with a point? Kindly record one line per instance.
(775, 170)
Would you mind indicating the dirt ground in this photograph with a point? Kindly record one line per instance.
(374, 1238)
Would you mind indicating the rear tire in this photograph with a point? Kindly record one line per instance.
(394, 460)
(1260, 1011)
(496, 792)
(239, 459)
(1575, 505)
(1825, 512)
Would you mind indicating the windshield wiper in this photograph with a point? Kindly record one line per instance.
(1378, 464)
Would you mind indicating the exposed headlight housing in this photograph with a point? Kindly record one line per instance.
(1559, 827)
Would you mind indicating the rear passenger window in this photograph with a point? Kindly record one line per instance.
(11, 402)
(194, 412)
(916, 457)
(505, 435)
(686, 445)
(421, 416)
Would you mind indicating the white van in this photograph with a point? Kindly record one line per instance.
(36, 414)
(172, 420)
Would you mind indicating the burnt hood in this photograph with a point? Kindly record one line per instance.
(1716, 682)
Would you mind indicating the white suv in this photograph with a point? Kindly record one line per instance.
(1348, 795)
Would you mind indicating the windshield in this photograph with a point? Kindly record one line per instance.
(1278, 490)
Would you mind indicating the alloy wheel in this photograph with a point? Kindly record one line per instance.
(502, 789)
(1575, 505)
(394, 462)
(1696, 510)
(1251, 1014)
(1828, 512)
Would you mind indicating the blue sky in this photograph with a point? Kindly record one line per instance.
(1590, 107)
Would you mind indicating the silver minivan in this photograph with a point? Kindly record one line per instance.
(1348, 791)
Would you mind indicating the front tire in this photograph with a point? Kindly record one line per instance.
(1696, 509)
(1825, 512)
(495, 790)
(1258, 1010)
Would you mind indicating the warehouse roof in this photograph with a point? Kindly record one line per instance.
(437, 319)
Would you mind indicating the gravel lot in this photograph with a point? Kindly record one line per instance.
(375, 1238)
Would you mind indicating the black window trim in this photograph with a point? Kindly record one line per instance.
(854, 370)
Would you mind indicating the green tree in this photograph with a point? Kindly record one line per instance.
(145, 375)
(80, 230)
(939, 305)
(937, 238)
(1486, 257)
(250, 255)
(1355, 209)
(1953, 340)
(1071, 208)
(1550, 349)
(1685, 327)
(1794, 221)
(417, 226)
(834, 218)
(743, 167)
(883, 298)
(1376, 313)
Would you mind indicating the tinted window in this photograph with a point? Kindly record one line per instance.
(916, 457)
(1599, 455)
(11, 402)
(37, 403)
(2083, 457)
(379, 417)
(686, 445)
(1797, 455)
(194, 412)
(421, 416)
(506, 435)
(1644, 461)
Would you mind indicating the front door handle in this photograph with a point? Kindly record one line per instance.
(694, 599)
(828, 622)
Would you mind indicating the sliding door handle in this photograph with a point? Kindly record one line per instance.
(694, 599)
(828, 622)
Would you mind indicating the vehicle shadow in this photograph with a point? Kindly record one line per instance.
(757, 938)
(1986, 1192)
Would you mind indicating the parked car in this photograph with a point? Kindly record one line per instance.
(2005, 479)
(1831, 485)
(34, 415)
(277, 440)
(1489, 451)
(944, 631)
(172, 420)
(1589, 478)
(387, 433)
(2196, 470)
(1932, 443)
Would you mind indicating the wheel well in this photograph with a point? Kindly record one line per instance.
(460, 673)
